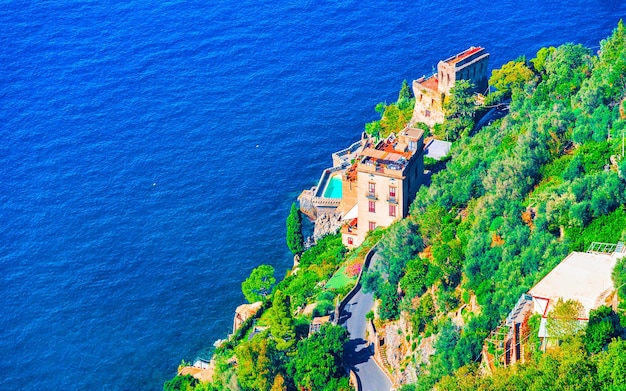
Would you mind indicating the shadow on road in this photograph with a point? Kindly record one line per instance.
(356, 352)
(344, 316)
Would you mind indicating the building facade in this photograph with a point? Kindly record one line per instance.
(386, 177)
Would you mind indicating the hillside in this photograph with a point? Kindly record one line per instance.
(513, 200)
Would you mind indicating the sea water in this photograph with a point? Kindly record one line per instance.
(149, 153)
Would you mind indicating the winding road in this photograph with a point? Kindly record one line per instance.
(357, 354)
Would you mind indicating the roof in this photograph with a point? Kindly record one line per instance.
(463, 55)
(413, 132)
(317, 323)
(432, 83)
(580, 276)
(437, 149)
(383, 155)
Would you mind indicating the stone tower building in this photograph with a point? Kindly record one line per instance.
(430, 92)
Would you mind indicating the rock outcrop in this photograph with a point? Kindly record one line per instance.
(244, 312)
(326, 223)
(399, 351)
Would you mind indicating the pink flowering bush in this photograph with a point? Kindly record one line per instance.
(353, 269)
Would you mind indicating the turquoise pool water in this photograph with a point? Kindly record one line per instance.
(333, 189)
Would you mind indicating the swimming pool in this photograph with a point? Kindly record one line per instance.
(333, 189)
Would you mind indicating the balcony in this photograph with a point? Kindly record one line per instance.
(371, 195)
(392, 200)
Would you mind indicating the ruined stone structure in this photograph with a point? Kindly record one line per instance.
(430, 92)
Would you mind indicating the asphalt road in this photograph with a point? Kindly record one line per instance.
(358, 356)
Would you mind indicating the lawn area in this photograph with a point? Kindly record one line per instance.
(340, 279)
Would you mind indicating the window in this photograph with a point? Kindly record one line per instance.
(350, 240)
(372, 225)
(427, 113)
(371, 187)
(392, 210)
(392, 192)
(372, 206)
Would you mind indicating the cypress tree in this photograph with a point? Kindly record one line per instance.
(295, 239)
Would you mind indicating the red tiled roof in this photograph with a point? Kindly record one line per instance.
(462, 55)
(432, 83)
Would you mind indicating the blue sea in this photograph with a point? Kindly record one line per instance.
(150, 150)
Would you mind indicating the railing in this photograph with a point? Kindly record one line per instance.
(392, 200)
(321, 184)
(323, 201)
(604, 248)
(394, 169)
(371, 195)
(341, 155)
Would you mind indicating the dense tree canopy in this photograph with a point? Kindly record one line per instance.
(603, 326)
(520, 194)
(282, 325)
(257, 363)
(395, 116)
(318, 361)
(258, 285)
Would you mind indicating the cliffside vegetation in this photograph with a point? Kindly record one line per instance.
(514, 199)
(273, 350)
(394, 116)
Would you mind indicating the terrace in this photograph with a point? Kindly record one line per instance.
(430, 83)
(389, 156)
(463, 55)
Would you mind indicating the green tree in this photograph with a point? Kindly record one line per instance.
(612, 367)
(619, 278)
(459, 108)
(405, 92)
(256, 363)
(539, 61)
(563, 319)
(318, 361)
(395, 118)
(295, 239)
(181, 383)
(371, 281)
(512, 75)
(282, 325)
(258, 285)
(399, 245)
(373, 129)
(602, 327)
